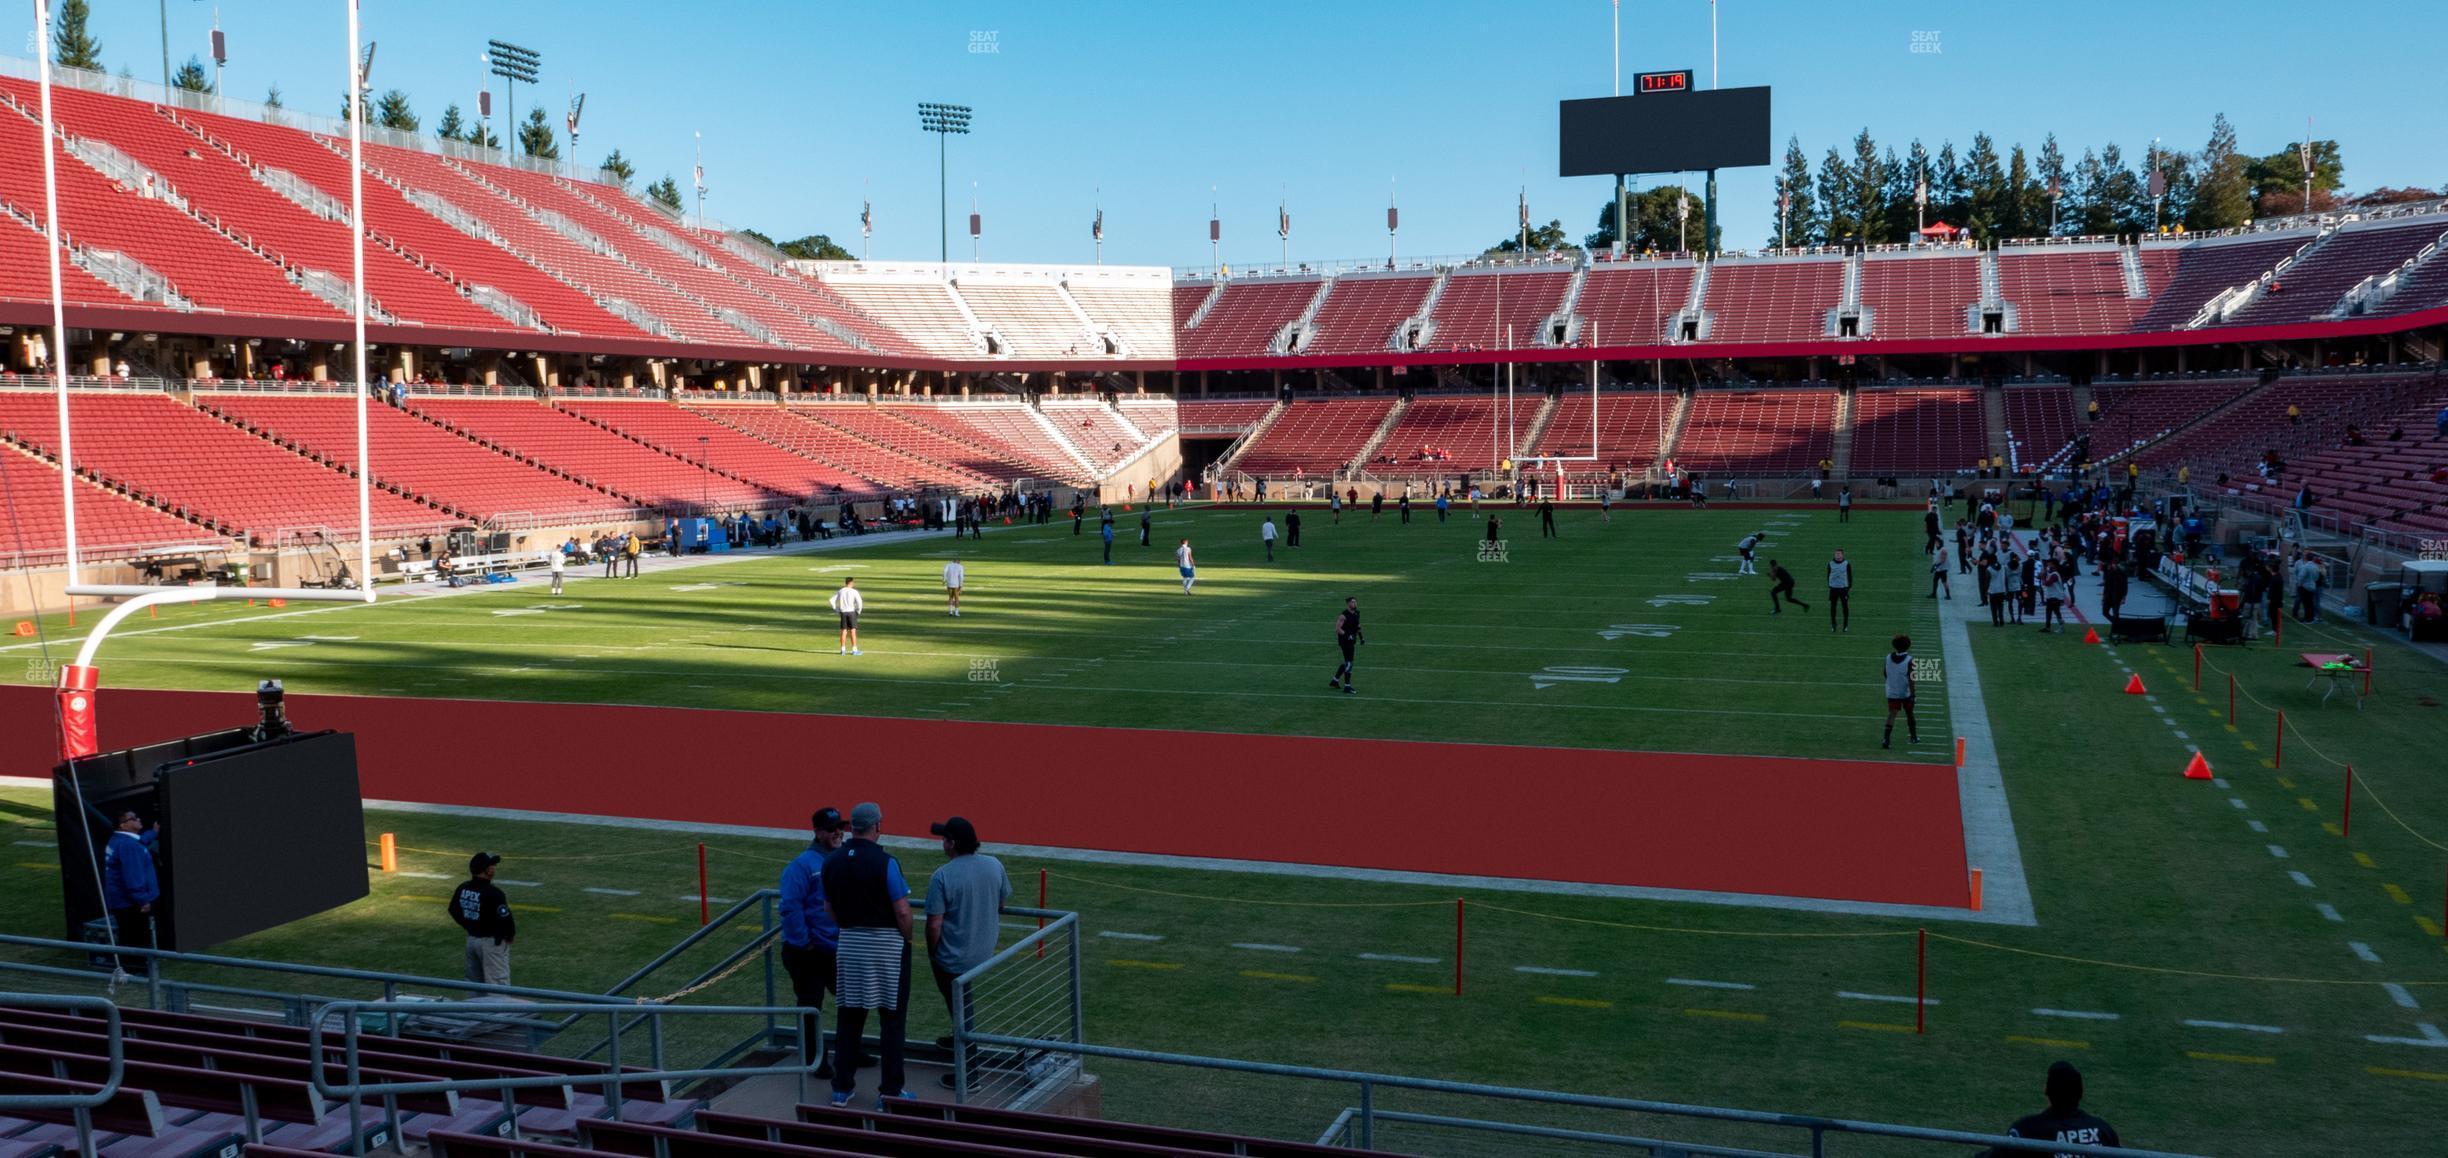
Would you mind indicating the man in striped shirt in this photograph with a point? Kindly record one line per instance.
(869, 900)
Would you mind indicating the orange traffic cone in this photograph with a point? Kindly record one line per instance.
(25, 627)
(2133, 684)
(1007, 520)
(2091, 636)
(278, 602)
(1126, 506)
(2199, 769)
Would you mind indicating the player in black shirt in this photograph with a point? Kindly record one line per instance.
(1347, 637)
(1784, 588)
(2064, 1120)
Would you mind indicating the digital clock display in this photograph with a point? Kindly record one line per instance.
(1663, 81)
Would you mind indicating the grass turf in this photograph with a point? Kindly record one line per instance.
(2128, 862)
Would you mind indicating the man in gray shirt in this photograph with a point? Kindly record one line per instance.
(964, 901)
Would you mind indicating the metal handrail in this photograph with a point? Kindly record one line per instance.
(82, 1105)
(1369, 1083)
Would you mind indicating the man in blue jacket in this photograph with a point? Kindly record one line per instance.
(808, 932)
(130, 886)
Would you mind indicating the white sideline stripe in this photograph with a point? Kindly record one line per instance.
(422, 876)
(2328, 910)
(2398, 994)
(1130, 936)
(2278, 851)
(693, 898)
(1699, 984)
(2298, 877)
(2238, 801)
(1261, 947)
(2363, 951)
(1400, 959)
(521, 884)
(2246, 1027)
(2219, 781)
(1544, 971)
(2431, 1037)
(613, 892)
(1849, 995)
(2079, 1014)
(35, 844)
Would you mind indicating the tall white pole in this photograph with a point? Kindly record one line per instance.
(1712, 44)
(1616, 39)
(357, 286)
(59, 301)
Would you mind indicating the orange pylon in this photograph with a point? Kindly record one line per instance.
(2198, 768)
(2133, 685)
(2091, 636)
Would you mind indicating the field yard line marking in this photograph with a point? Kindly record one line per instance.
(423, 876)
(1544, 971)
(2363, 951)
(2364, 859)
(1726, 1014)
(693, 898)
(1574, 1002)
(2429, 927)
(2398, 994)
(1880, 1026)
(1849, 995)
(2397, 894)
(2328, 910)
(1988, 822)
(40, 865)
(2278, 851)
(2079, 1014)
(2257, 826)
(1129, 963)
(1699, 984)
(35, 844)
(1408, 987)
(520, 884)
(1262, 947)
(652, 920)
(1400, 959)
(2049, 1042)
(611, 892)
(2431, 1037)
(2219, 782)
(2240, 1026)
(2417, 1075)
(2232, 1058)
(1263, 975)
(2237, 801)
(2297, 876)
(1109, 933)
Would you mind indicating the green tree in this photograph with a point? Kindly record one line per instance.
(536, 139)
(272, 98)
(191, 77)
(391, 111)
(2222, 197)
(2278, 179)
(1837, 201)
(2053, 184)
(1897, 202)
(71, 45)
(1987, 198)
(665, 193)
(1655, 226)
(1542, 239)
(452, 126)
(813, 247)
(479, 134)
(1870, 175)
(620, 168)
(1950, 190)
(2022, 211)
(1803, 225)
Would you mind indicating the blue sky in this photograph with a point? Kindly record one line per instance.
(807, 106)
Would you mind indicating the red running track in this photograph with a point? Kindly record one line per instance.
(1846, 830)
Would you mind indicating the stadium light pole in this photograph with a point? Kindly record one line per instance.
(943, 120)
(516, 66)
(1623, 234)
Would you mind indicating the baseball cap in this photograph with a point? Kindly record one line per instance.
(958, 830)
(827, 820)
(868, 814)
(482, 861)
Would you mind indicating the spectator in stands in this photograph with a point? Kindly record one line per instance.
(484, 914)
(808, 931)
(130, 886)
(2294, 412)
(963, 901)
(2064, 1120)
(869, 900)
(2440, 425)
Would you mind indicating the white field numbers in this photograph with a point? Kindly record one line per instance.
(1576, 674)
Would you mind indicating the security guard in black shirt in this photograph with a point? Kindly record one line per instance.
(2064, 1120)
(480, 908)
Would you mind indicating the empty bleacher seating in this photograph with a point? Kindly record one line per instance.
(1628, 423)
(1446, 434)
(1135, 311)
(1031, 318)
(687, 435)
(793, 429)
(109, 526)
(1245, 320)
(1630, 304)
(2206, 269)
(204, 468)
(1361, 312)
(2132, 416)
(1917, 432)
(1094, 428)
(1756, 432)
(920, 310)
(2069, 289)
(1772, 301)
(1316, 436)
(1008, 430)
(2310, 288)
(597, 455)
(1480, 306)
(2040, 422)
(1921, 295)
(905, 428)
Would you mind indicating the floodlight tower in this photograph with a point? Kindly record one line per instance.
(516, 66)
(943, 120)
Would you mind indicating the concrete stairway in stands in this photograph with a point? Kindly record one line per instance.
(1993, 412)
(1674, 427)
(1842, 456)
(1231, 458)
(1062, 440)
(1538, 423)
(1564, 315)
(1368, 450)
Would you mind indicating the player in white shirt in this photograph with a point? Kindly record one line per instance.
(1899, 687)
(847, 602)
(954, 574)
(1189, 566)
(1749, 544)
(558, 562)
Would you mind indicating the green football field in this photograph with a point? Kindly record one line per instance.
(2217, 957)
